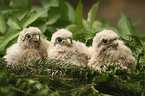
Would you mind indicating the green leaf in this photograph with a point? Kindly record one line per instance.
(14, 23)
(42, 27)
(2, 24)
(21, 4)
(43, 36)
(36, 8)
(1, 37)
(13, 41)
(5, 7)
(79, 14)
(50, 3)
(53, 20)
(30, 19)
(63, 10)
(125, 26)
(20, 14)
(78, 32)
(3, 52)
(81, 36)
(53, 16)
(138, 21)
(71, 13)
(92, 15)
(105, 23)
(8, 38)
(74, 28)
(141, 36)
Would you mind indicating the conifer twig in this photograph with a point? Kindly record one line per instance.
(19, 90)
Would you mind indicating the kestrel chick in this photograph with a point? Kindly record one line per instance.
(30, 46)
(63, 48)
(107, 48)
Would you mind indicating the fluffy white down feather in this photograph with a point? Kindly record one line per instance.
(102, 54)
(75, 54)
(24, 51)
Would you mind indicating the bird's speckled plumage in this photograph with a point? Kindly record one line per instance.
(28, 48)
(112, 50)
(73, 51)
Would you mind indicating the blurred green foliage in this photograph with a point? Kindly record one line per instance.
(19, 14)
(53, 14)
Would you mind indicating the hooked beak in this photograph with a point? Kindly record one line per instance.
(68, 42)
(114, 43)
(36, 38)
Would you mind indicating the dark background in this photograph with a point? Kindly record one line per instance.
(110, 10)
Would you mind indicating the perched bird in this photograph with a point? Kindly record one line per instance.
(63, 48)
(107, 48)
(30, 46)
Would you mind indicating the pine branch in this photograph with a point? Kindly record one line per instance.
(74, 80)
(16, 89)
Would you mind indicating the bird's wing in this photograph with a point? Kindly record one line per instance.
(81, 47)
(45, 44)
(13, 53)
(90, 51)
(82, 52)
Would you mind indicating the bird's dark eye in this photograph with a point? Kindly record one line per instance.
(104, 41)
(29, 35)
(59, 39)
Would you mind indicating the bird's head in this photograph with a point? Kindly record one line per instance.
(105, 39)
(62, 37)
(30, 37)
